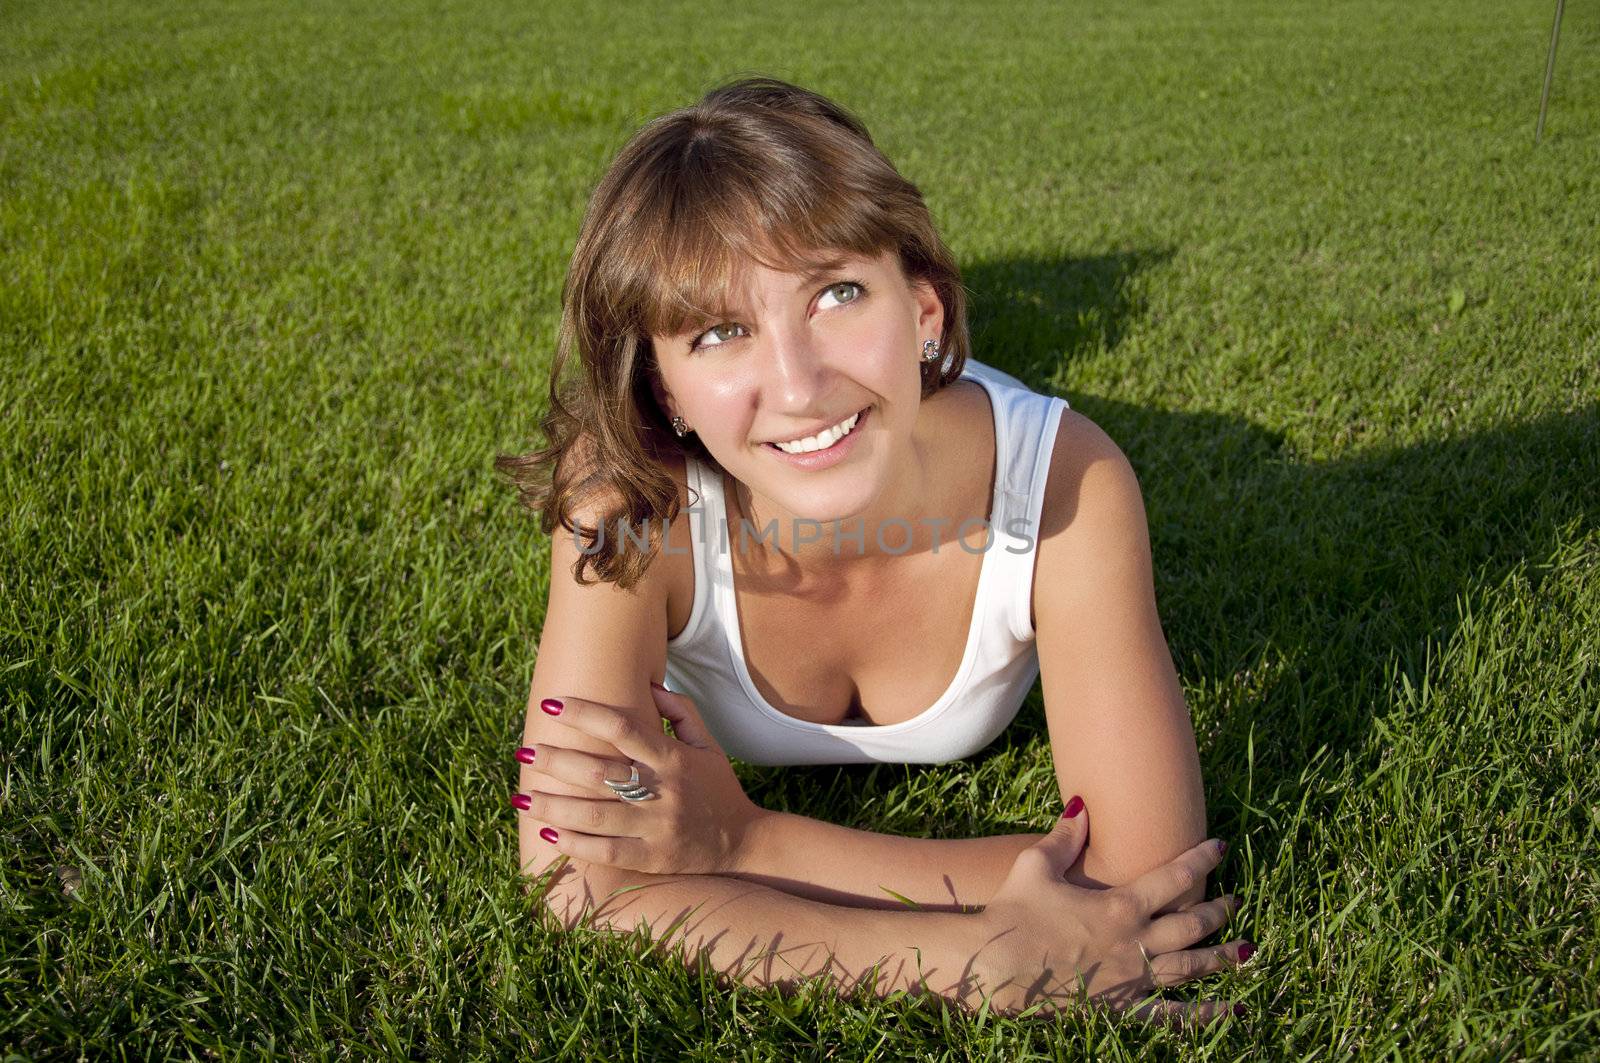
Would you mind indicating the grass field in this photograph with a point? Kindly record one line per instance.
(278, 281)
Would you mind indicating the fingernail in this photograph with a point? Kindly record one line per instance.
(1238, 1011)
(659, 687)
(1074, 806)
(1246, 951)
(551, 705)
(548, 834)
(1222, 848)
(525, 754)
(522, 801)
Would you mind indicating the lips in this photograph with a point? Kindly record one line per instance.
(858, 415)
(819, 431)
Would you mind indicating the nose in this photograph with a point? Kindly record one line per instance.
(797, 374)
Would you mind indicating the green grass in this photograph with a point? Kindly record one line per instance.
(277, 283)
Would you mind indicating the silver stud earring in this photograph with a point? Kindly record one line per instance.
(679, 426)
(930, 351)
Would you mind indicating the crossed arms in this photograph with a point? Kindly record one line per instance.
(1120, 734)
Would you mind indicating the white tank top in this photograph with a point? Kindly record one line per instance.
(706, 659)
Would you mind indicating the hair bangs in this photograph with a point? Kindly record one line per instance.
(743, 217)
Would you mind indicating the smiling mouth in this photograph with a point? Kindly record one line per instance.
(855, 419)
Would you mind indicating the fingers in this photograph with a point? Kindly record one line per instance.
(621, 727)
(595, 816)
(1159, 888)
(1180, 930)
(1176, 968)
(574, 766)
(1059, 849)
(680, 711)
(629, 853)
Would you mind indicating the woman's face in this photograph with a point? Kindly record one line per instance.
(801, 354)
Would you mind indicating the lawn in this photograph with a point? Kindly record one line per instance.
(278, 281)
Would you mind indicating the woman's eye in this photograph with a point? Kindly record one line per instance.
(715, 336)
(843, 292)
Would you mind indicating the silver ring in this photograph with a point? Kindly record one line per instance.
(630, 789)
(630, 783)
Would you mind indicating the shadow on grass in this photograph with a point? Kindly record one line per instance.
(1328, 573)
(1292, 587)
(1032, 316)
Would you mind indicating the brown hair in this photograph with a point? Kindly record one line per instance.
(758, 171)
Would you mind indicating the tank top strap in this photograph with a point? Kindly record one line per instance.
(705, 510)
(1026, 425)
(709, 515)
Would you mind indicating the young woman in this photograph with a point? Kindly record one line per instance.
(780, 483)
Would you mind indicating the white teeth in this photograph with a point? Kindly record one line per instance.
(822, 440)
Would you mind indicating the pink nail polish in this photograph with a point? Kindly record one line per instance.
(1246, 951)
(548, 834)
(1074, 807)
(522, 801)
(1238, 1011)
(525, 754)
(1222, 848)
(552, 706)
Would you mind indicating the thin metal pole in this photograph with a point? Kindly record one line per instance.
(1549, 70)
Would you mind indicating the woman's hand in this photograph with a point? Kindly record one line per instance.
(1043, 939)
(693, 824)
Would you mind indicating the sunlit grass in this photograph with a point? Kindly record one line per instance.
(277, 282)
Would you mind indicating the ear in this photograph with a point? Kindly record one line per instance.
(930, 309)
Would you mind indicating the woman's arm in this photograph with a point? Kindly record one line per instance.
(1120, 732)
(1041, 943)
(765, 937)
(841, 865)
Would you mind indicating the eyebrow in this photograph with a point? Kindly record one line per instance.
(694, 328)
(821, 272)
(826, 269)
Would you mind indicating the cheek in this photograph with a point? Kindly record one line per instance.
(726, 403)
(875, 343)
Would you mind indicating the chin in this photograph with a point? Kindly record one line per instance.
(844, 498)
(825, 510)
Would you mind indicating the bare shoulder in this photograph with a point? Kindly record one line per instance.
(653, 592)
(1092, 517)
(601, 641)
(1085, 464)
